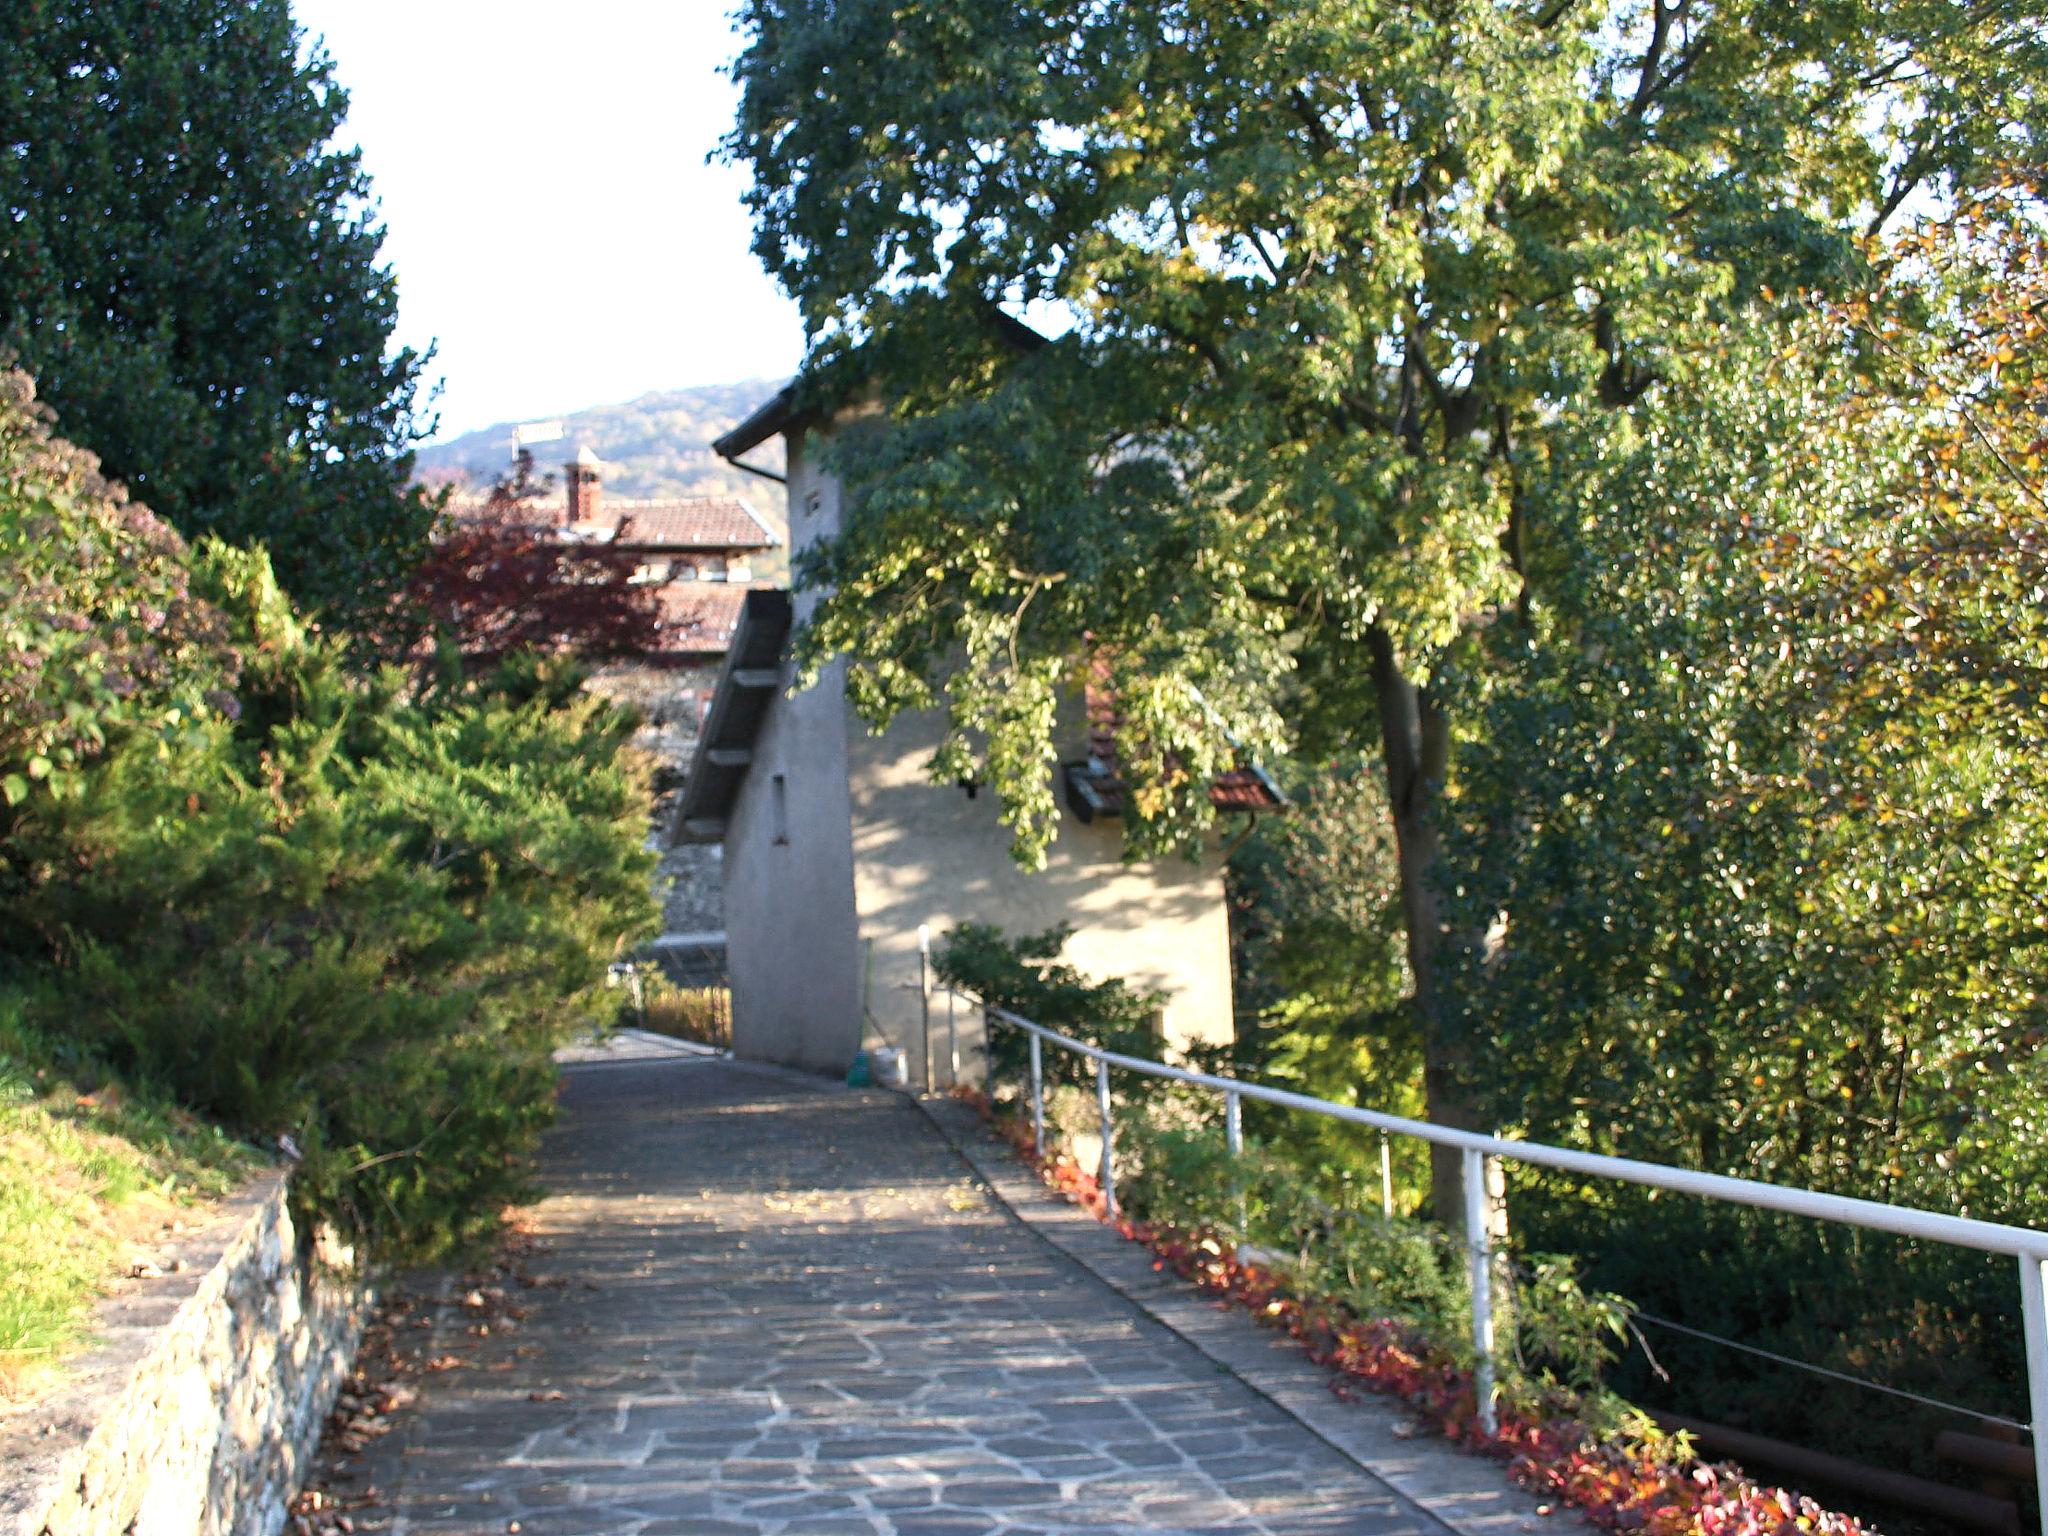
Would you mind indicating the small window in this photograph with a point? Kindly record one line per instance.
(813, 503)
(778, 809)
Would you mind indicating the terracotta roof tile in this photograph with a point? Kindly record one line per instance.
(685, 522)
(704, 613)
(693, 522)
(1098, 779)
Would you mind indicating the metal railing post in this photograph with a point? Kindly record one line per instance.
(1386, 1177)
(953, 1039)
(1037, 1097)
(924, 996)
(2034, 1324)
(1233, 1138)
(1108, 1176)
(1480, 1240)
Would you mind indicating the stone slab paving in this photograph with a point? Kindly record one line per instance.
(781, 1306)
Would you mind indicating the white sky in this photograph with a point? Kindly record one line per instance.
(541, 174)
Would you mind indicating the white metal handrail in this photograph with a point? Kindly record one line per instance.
(2029, 1247)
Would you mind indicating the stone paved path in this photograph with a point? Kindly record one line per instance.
(792, 1309)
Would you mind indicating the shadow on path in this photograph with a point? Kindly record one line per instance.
(784, 1306)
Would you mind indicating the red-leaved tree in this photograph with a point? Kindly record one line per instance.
(501, 578)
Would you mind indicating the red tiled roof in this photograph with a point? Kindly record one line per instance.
(686, 522)
(704, 615)
(693, 522)
(1098, 779)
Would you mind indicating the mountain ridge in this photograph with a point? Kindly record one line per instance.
(655, 445)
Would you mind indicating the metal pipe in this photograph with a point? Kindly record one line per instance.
(2034, 1324)
(1480, 1242)
(1233, 1138)
(1037, 1098)
(1386, 1177)
(952, 1039)
(1932, 1226)
(924, 996)
(1108, 1174)
(2028, 1246)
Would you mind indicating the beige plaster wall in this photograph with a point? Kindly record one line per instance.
(822, 931)
(927, 854)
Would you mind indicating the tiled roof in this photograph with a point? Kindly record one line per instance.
(692, 522)
(1095, 785)
(685, 522)
(703, 614)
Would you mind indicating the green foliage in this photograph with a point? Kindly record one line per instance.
(331, 907)
(1332, 268)
(100, 633)
(1735, 937)
(1754, 811)
(190, 270)
(1320, 973)
(1024, 975)
(1559, 1339)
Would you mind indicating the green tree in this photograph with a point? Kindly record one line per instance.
(190, 271)
(100, 633)
(1761, 795)
(302, 901)
(1332, 271)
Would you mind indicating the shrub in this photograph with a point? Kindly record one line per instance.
(100, 632)
(332, 909)
(1024, 975)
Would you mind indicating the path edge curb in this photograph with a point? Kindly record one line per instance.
(1459, 1493)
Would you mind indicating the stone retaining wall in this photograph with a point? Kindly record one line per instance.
(199, 1409)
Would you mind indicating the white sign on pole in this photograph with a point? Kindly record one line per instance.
(535, 432)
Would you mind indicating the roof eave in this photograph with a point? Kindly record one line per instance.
(773, 417)
(747, 686)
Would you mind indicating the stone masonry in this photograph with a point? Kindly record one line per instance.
(689, 879)
(771, 1306)
(196, 1413)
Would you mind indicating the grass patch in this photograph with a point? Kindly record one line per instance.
(85, 1177)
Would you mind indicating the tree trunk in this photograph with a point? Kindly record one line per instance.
(1415, 739)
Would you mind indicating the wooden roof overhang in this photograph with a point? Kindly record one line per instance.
(747, 688)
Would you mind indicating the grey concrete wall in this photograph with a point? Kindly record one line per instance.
(789, 923)
(927, 854)
(197, 1412)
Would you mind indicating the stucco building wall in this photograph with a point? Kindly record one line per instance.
(925, 854)
(791, 941)
(886, 850)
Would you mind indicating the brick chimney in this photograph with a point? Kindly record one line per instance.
(584, 477)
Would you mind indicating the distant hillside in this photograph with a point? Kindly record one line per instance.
(658, 445)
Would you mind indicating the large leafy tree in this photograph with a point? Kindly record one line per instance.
(190, 271)
(1330, 271)
(1761, 794)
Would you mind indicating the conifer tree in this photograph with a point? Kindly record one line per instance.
(190, 271)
